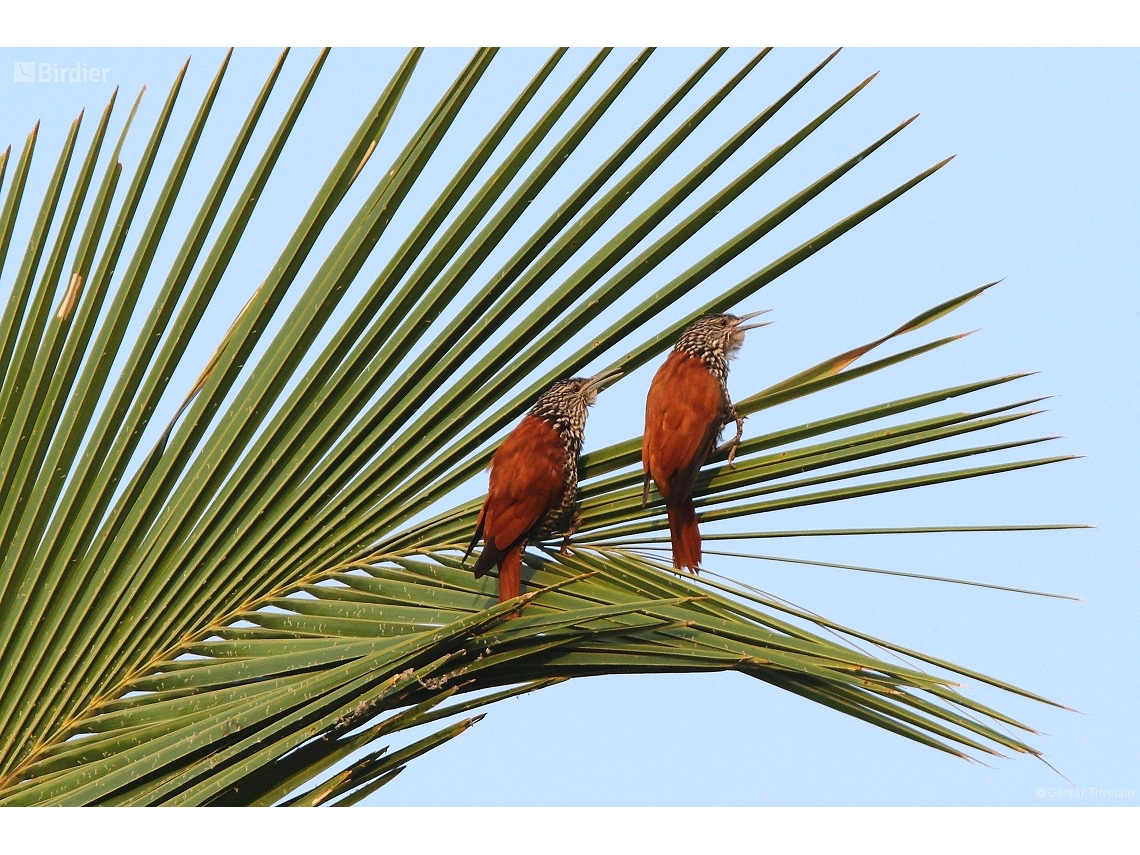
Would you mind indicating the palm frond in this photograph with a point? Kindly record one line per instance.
(233, 616)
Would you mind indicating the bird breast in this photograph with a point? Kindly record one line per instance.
(685, 410)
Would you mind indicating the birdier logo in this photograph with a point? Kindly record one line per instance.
(53, 72)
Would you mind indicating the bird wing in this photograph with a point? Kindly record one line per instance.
(527, 478)
(682, 419)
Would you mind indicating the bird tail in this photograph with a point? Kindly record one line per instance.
(685, 535)
(475, 539)
(488, 558)
(510, 569)
(510, 574)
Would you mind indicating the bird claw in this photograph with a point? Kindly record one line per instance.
(732, 454)
(575, 521)
(733, 444)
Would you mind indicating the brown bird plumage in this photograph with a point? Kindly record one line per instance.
(686, 410)
(534, 480)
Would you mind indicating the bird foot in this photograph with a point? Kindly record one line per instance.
(575, 521)
(731, 446)
(732, 454)
(734, 443)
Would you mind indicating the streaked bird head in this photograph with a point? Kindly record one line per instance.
(565, 403)
(717, 336)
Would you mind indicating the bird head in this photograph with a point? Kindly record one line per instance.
(718, 336)
(566, 401)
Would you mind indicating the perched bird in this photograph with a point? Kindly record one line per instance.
(534, 479)
(686, 410)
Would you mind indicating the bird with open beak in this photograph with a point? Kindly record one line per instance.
(686, 410)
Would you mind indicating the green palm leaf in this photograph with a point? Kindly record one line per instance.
(241, 615)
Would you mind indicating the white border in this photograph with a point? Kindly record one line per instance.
(126, 831)
(888, 23)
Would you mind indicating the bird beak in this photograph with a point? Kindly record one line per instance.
(602, 378)
(743, 318)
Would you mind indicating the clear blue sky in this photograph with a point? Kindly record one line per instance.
(1044, 192)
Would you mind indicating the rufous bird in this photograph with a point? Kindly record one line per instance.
(534, 480)
(686, 410)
